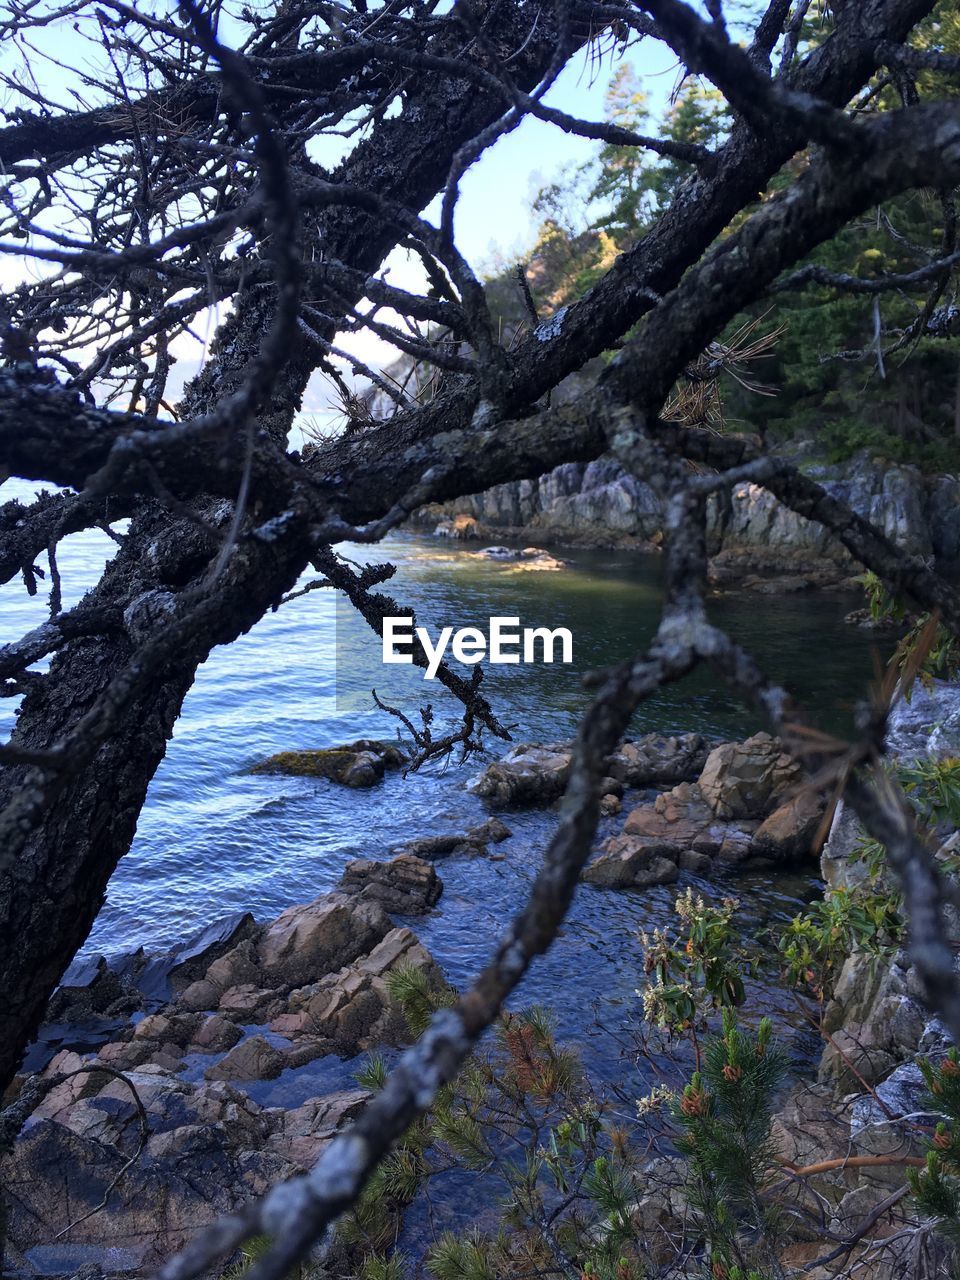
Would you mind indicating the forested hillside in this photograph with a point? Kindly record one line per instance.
(872, 368)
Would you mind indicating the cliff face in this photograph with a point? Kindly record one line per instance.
(599, 503)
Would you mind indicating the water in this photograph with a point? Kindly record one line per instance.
(213, 839)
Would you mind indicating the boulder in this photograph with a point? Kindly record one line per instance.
(216, 1034)
(200, 996)
(657, 760)
(352, 1010)
(251, 1059)
(239, 965)
(358, 764)
(678, 817)
(789, 831)
(528, 774)
(748, 779)
(628, 862)
(306, 1130)
(191, 961)
(407, 884)
(307, 941)
(249, 1003)
(175, 1028)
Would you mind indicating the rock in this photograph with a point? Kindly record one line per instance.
(598, 503)
(927, 725)
(626, 862)
(192, 960)
(308, 1129)
(537, 773)
(789, 831)
(216, 1034)
(125, 1055)
(66, 1094)
(90, 988)
(206, 1155)
(747, 779)
(903, 1093)
(850, 1062)
(497, 553)
(837, 865)
(677, 817)
(177, 1028)
(305, 942)
(609, 805)
(250, 1003)
(359, 764)
(251, 1059)
(407, 884)
(461, 527)
(809, 1126)
(352, 1009)
(867, 993)
(239, 965)
(529, 774)
(200, 996)
(493, 831)
(698, 864)
(656, 760)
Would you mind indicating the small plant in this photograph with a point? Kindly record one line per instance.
(724, 1114)
(816, 943)
(936, 1187)
(694, 970)
(928, 651)
(934, 788)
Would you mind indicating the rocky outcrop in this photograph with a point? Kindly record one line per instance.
(406, 884)
(537, 774)
(315, 981)
(359, 764)
(208, 1149)
(746, 803)
(599, 503)
(522, 560)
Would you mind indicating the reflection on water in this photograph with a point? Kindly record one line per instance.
(213, 839)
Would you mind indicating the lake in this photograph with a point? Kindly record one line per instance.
(213, 838)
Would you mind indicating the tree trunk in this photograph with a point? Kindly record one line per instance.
(51, 894)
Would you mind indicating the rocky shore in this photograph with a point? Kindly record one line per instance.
(598, 504)
(164, 1121)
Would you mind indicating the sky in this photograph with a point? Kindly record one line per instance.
(494, 220)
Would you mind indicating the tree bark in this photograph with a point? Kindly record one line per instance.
(51, 894)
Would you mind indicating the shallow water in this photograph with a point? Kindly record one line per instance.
(213, 838)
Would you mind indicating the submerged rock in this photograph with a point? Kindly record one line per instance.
(472, 843)
(359, 764)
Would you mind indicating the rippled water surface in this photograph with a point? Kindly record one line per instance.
(212, 838)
